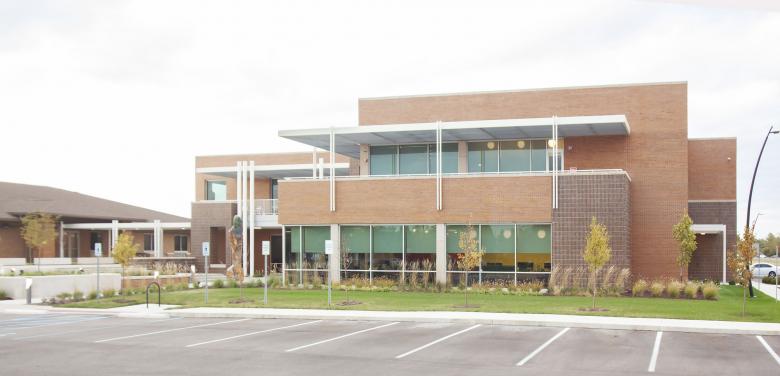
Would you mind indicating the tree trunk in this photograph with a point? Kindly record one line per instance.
(593, 277)
(466, 290)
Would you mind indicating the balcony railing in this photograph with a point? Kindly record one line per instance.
(269, 206)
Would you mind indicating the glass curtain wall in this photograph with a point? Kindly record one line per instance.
(417, 159)
(420, 247)
(307, 247)
(356, 243)
(513, 156)
(511, 250)
(387, 248)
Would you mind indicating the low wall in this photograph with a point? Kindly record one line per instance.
(136, 282)
(51, 285)
(148, 262)
(8, 261)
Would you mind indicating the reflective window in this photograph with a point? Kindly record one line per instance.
(180, 243)
(515, 155)
(387, 247)
(356, 242)
(216, 191)
(534, 245)
(420, 247)
(449, 158)
(383, 160)
(413, 159)
(314, 238)
(483, 156)
(538, 155)
(498, 242)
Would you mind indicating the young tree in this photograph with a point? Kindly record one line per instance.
(686, 239)
(470, 258)
(597, 252)
(124, 250)
(236, 271)
(740, 260)
(346, 260)
(38, 230)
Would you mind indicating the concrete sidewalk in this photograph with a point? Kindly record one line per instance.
(767, 289)
(485, 318)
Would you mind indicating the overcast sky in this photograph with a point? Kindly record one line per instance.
(114, 99)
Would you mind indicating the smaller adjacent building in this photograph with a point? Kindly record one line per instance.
(82, 221)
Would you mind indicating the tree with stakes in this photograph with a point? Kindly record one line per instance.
(597, 252)
(686, 239)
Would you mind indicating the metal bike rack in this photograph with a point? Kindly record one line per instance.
(158, 294)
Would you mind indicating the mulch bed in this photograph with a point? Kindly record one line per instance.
(597, 309)
(348, 303)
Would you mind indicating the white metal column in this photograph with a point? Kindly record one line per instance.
(114, 233)
(251, 218)
(723, 231)
(157, 241)
(244, 219)
(62, 240)
(438, 167)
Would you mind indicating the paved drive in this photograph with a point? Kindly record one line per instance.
(65, 344)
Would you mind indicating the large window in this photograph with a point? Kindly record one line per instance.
(387, 247)
(514, 156)
(510, 249)
(420, 247)
(216, 190)
(148, 242)
(95, 237)
(314, 238)
(356, 242)
(418, 159)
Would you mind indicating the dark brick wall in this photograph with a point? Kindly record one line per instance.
(582, 197)
(206, 215)
(708, 259)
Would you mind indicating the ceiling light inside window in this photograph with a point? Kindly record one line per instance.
(521, 144)
(541, 234)
(551, 143)
(491, 145)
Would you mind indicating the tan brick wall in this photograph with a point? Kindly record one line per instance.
(413, 200)
(11, 242)
(655, 154)
(712, 169)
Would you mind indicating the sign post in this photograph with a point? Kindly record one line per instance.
(206, 252)
(329, 253)
(98, 253)
(266, 252)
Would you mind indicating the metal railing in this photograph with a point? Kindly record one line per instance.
(268, 206)
(574, 172)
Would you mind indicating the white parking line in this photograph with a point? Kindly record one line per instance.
(768, 348)
(656, 349)
(169, 330)
(540, 348)
(437, 341)
(58, 323)
(340, 337)
(107, 328)
(252, 333)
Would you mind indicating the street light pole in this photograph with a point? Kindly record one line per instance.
(750, 196)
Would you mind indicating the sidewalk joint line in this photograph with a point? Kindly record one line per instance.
(341, 336)
(253, 333)
(540, 348)
(168, 330)
(437, 341)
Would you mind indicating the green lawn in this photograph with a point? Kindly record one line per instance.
(728, 307)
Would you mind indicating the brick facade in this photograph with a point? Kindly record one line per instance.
(708, 259)
(205, 216)
(582, 197)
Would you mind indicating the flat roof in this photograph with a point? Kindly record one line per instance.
(275, 171)
(348, 139)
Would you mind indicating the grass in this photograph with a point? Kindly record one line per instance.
(728, 307)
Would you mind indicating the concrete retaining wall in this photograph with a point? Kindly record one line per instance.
(51, 285)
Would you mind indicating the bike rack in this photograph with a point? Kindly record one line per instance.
(158, 294)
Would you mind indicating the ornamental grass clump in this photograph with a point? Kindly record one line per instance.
(673, 289)
(691, 290)
(657, 289)
(710, 291)
(640, 288)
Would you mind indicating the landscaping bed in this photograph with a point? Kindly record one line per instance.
(727, 307)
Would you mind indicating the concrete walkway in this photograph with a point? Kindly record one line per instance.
(770, 290)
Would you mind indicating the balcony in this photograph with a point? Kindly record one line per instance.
(266, 212)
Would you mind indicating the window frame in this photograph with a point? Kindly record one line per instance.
(206, 188)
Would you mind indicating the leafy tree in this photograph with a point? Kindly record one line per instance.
(346, 260)
(38, 230)
(740, 260)
(769, 244)
(124, 250)
(470, 258)
(236, 270)
(686, 238)
(597, 252)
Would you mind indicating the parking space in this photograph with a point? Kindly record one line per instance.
(64, 344)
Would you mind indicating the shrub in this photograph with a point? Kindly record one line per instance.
(657, 289)
(232, 284)
(640, 288)
(673, 289)
(92, 295)
(78, 296)
(218, 284)
(691, 290)
(621, 280)
(769, 280)
(710, 291)
(3, 295)
(109, 292)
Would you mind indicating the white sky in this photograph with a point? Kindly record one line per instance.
(115, 99)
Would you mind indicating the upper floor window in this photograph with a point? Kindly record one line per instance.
(180, 243)
(274, 188)
(148, 242)
(513, 156)
(216, 190)
(417, 159)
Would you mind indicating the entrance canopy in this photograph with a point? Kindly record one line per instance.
(348, 139)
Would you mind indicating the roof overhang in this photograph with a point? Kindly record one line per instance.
(708, 228)
(348, 139)
(275, 171)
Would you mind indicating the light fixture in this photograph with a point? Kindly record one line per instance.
(702, 233)
(491, 145)
(551, 143)
(521, 144)
(541, 234)
(507, 234)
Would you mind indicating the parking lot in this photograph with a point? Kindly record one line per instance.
(89, 344)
